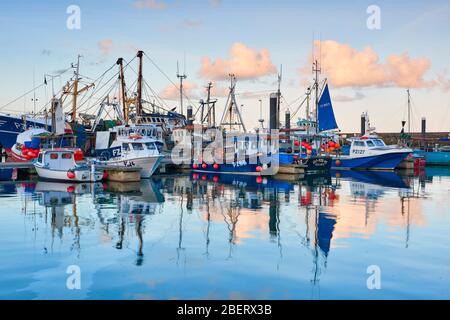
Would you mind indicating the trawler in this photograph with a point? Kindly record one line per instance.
(303, 143)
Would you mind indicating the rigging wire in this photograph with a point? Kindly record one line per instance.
(98, 87)
(167, 77)
(22, 96)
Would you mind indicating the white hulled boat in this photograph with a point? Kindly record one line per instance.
(59, 164)
(128, 148)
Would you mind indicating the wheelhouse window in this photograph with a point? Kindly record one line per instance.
(150, 146)
(370, 143)
(359, 143)
(137, 146)
(125, 147)
(379, 143)
(39, 159)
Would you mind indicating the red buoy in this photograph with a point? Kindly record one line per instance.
(70, 174)
(204, 166)
(216, 166)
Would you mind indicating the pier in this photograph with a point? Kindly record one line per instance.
(16, 165)
(417, 137)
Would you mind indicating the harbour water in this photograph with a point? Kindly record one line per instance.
(229, 237)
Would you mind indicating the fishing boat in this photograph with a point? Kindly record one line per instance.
(59, 164)
(241, 154)
(240, 151)
(305, 142)
(305, 153)
(128, 148)
(370, 152)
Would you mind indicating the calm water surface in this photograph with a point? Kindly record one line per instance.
(205, 237)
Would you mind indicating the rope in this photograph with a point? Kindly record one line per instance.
(22, 96)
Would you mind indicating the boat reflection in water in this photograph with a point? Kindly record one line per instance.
(230, 236)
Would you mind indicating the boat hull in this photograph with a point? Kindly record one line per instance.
(312, 164)
(61, 175)
(435, 158)
(229, 168)
(315, 164)
(13, 156)
(387, 161)
(148, 165)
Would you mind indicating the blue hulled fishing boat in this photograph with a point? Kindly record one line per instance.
(240, 155)
(370, 152)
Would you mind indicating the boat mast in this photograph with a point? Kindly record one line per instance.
(308, 93)
(261, 119)
(210, 116)
(34, 92)
(232, 109)
(139, 85)
(181, 77)
(123, 92)
(409, 111)
(279, 93)
(75, 90)
(316, 70)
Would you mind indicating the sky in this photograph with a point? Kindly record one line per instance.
(368, 64)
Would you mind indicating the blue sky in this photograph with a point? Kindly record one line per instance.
(34, 37)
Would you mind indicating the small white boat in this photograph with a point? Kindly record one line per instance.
(130, 150)
(59, 164)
